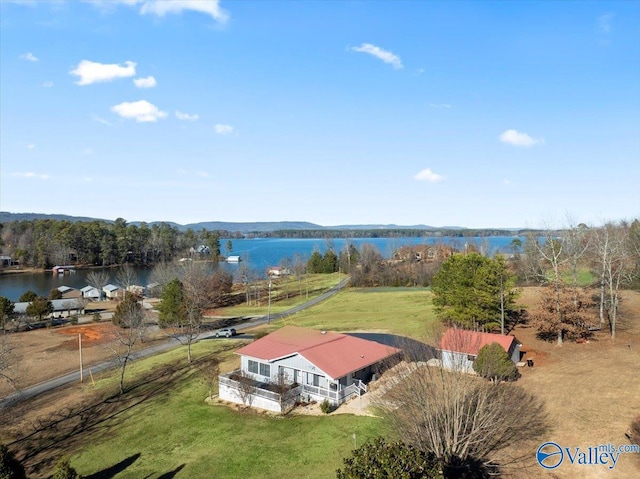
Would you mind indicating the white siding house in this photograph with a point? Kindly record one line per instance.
(459, 347)
(304, 364)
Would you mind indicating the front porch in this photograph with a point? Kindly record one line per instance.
(241, 389)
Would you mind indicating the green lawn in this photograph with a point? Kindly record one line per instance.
(404, 311)
(177, 432)
(285, 293)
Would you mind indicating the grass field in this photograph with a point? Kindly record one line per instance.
(286, 293)
(403, 311)
(176, 430)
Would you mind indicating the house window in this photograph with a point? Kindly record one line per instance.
(333, 386)
(265, 370)
(253, 367)
(471, 357)
(316, 380)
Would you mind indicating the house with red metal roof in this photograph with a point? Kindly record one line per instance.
(460, 347)
(315, 365)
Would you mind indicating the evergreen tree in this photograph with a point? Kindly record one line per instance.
(172, 308)
(27, 296)
(389, 460)
(315, 263)
(39, 307)
(494, 363)
(471, 290)
(10, 467)
(64, 470)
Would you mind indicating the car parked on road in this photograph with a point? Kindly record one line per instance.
(226, 332)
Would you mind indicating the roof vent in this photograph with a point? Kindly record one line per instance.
(323, 332)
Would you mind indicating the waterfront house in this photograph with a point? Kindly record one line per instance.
(68, 292)
(460, 347)
(313, 365)
(89, 292)
(111, 291)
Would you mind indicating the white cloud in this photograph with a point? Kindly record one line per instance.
(31, 146)
(164, 7)
(223, 129)
(384, 55)
(430, 176)
(516, 138)
(93, 72)
(142, 111)
(47, 84)
(605, 23)
(30, 57)
(440, 105)
(148, 82)
(186, 116)
(31, 175)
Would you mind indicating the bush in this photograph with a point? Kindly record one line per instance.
(73, 319)
(326, 407)
(494, 363)
(634, 432)
(64, 470)
(96, 317)
(10, 467)
(394, 460)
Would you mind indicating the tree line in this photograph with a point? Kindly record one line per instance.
(45, 242)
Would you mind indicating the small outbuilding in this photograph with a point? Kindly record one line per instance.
(460, 347)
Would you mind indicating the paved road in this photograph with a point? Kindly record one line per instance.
(60, 381)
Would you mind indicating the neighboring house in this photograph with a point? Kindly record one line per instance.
(6, 261)
(69, 292)
(233, 259)
(152, 290)
(136, 289)
(89, 292)
(316, 365)
(74, 305)
(460, 347)
(111, 291)
(202, 250)
(277, 271)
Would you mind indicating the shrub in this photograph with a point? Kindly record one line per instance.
(634, 432)
(494, 363)
(326, 407)
(64, 470)
(393, 460)
(10, 467)
(73, 319)
(96, 317)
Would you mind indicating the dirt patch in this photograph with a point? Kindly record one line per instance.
(92, 335)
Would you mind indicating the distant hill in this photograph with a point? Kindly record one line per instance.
(248, 227)
(6, 217)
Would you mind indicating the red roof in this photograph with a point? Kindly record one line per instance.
(470, 342)
(335, 354)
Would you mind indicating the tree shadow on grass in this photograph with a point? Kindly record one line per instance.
(110, 472)
(172, 474)
(70, 428)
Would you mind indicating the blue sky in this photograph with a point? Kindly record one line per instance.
(476, 114)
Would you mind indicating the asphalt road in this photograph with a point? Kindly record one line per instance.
(69, 378)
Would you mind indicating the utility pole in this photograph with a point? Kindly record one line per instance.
(80, 348)
(269, 307)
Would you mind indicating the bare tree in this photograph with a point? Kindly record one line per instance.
(462, 419)
(246, 388)
(126, 277)
(210, 370)
(299, 267)
(162, 274)
(130, 318)
(8, 360)
(283, 387)
(614, 262)
(98, 279)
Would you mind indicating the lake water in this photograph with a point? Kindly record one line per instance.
(256, 254)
